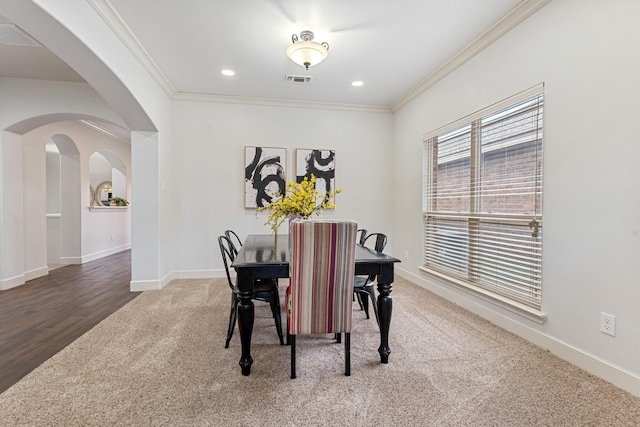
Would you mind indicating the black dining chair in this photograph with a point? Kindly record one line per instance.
(235, 241)
(263, 290)
(363, 288)
(362, 233)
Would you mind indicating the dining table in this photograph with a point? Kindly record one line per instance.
(266, 256)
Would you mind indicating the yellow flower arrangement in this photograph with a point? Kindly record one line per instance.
(301, 200)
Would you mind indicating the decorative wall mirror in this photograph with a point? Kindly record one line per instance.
(102, 194)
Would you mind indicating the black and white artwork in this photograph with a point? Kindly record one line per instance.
(264, 175)
(321, 164)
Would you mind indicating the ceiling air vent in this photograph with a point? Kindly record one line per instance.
(10, 34)
(297, 79)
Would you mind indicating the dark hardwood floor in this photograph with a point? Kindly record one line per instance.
(41, 317)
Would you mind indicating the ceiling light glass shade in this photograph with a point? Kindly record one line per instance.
(307, 52)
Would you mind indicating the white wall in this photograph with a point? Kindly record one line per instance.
(53, 179)
(53, 208)
(208, 164)
(586, 53)
(23, 99)
(11, 201)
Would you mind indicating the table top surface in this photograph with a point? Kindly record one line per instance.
(267, 249)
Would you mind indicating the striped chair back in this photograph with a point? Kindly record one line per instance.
(322, 273)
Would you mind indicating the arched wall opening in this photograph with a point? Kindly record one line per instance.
(58, 224)
(95, 240)
(126, 95)
(107, 178)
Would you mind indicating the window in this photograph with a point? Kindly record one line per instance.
(482, 200)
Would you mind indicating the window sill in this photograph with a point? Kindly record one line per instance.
(523, 310)
(107, 208)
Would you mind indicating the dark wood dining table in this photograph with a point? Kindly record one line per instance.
(265, 256)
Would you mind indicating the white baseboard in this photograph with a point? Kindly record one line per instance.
(149, 285)
(67, 260)
(35, 273)
(620, 377)
(12, 282)
(145, 285)
(101, 254)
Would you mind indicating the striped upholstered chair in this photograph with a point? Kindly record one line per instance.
(320, 294)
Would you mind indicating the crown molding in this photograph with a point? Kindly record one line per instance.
(112, 18)
(503, 26)
(222, 99)
(107, 12)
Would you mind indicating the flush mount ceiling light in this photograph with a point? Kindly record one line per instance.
(305, 51)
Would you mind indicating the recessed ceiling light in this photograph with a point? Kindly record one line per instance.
(228, 72)
(357, 83)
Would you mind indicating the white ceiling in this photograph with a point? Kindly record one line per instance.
(29, 62)
(393, 47)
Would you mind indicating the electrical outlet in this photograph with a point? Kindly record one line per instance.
(113, 237)
(608, 324)
(406, 254)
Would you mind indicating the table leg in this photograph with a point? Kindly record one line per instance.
(246, 315)
(384, 312)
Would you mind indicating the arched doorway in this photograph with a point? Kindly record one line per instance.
(68, 36)
(59, 224)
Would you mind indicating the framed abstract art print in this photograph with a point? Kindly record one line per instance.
(320, 163)
(264, 175)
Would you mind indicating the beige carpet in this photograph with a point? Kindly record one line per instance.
(160, 361)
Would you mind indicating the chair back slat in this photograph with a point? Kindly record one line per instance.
(234, 241)
(322, 274)
(228, 255)
(380, 241)
(363, 235)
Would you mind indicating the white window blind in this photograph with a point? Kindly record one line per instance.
(482, 201)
